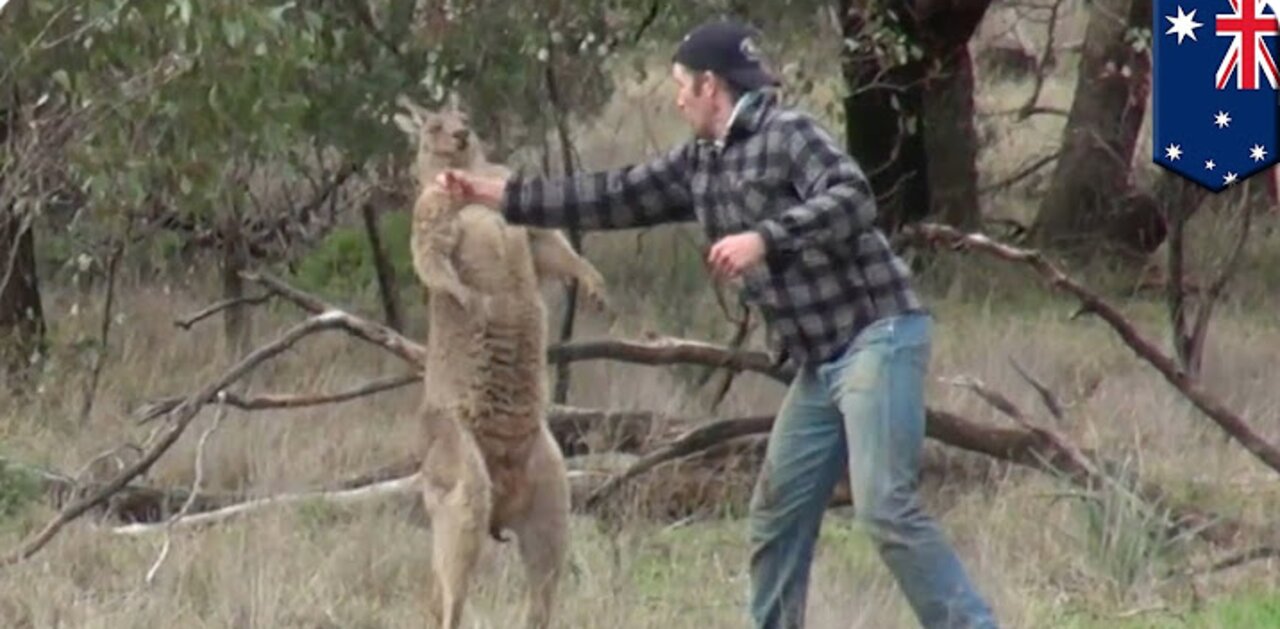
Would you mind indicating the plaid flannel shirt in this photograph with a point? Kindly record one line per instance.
(828, 270)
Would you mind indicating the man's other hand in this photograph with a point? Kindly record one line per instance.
(732, 255)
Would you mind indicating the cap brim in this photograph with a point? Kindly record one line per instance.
(752, 78)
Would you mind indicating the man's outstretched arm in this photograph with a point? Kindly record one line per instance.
(644, 194)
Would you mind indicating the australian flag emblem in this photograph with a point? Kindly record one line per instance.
(1214, 101)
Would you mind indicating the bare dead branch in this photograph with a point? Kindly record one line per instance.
(1026, 171)
(362, 328)
(196, 487)
(192, 319)
(1046, 395)
(339, 497)
(1209, 404)
(1043, 64)
(268, 401)
(104, 334)
(667, 351)
(181, 416)
(1200, 328)
(696, 440)
(996, 399)
(1239, 559)
(1035, 448)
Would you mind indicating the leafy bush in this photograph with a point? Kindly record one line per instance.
(341, 265)
(18, 488)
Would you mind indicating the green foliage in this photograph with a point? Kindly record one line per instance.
(18, 488)
(1126, 538)
(341, 265)
(1252, 608)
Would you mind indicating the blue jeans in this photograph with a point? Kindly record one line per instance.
(865, 409)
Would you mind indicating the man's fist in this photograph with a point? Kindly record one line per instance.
(468, 188)
(732, 255)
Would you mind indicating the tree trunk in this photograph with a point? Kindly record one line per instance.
(22, 324)
(950, 138)
(561, 392)
(235, 258)
(890, 151)
(382, 268)
(1092, 175)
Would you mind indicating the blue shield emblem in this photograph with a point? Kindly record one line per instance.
(1214, 101)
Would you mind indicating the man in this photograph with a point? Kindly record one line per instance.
(791, 215)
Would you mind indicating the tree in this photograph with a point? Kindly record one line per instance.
(1092, 179)
(950, 138)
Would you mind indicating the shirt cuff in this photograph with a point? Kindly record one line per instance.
(774, 236)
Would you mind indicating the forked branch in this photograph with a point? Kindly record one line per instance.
(1209, 404)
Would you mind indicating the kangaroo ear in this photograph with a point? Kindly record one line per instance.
(406, 124)
(418, 112)
(452, 101)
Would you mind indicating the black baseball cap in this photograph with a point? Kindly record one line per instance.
(730, 50)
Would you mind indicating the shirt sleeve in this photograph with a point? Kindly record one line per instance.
(836, 200)
(633, 196)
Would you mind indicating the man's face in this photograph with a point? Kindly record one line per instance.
(695, 98)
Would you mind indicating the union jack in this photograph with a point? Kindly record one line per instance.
(1248, 54)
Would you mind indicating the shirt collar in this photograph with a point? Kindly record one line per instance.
(747, 114)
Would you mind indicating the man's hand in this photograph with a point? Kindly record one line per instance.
(468, 188)
(732, 255)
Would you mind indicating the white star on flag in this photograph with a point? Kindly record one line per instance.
(1257, 152)
(1230, 178)
(1222, 119)
(1173, 151)
(1209, 165)
(1184, 25)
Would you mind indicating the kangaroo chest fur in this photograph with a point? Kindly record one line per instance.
(489, 366)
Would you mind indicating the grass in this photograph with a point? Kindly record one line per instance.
(1043, 554)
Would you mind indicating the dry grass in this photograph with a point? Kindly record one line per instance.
(1027, 539)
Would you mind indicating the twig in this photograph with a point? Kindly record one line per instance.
(1026, 171)
(996, 399)
(1234, 425)
(1046, 396)
(362, 328)
(1239, 559)
(99, 357)
(344, 496)
(267, 401)
(1201, 327)
(192, 319)
(1042, 65)
(196, 486)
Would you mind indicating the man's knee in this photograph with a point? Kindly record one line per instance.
(892, 518)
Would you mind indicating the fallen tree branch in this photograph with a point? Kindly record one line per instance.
(1239, 559)
(269, 401)
(1232, 423)
(343, 496)
(1032, 448)
(196, 486)
(192, 319)
(696, 440)
(181, 418)
(668, 351)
